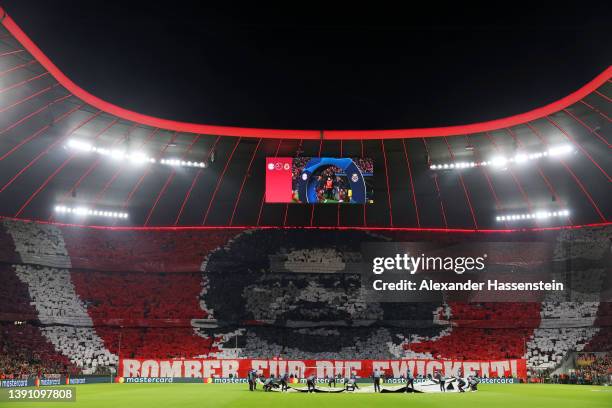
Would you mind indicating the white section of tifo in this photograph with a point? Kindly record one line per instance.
(39, 244)
(64, 316)
(567, 320)
(53, 295)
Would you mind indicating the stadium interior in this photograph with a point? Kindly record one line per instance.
(126, 236)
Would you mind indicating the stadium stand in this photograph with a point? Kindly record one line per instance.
(547, 347)
(7, 248)
(593, 368)
(25, 350)
(133, 297)
(259, 294)
(601, 340)
(145, 251)
(64, 315)
(25, 353)
(39, 244)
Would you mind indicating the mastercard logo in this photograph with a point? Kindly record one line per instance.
(208, 380)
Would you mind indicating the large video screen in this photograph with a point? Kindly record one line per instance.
(319, 180)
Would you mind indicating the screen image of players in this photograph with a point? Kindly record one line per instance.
(331, 183)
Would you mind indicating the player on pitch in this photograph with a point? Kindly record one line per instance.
(409, 380)
(251, 377)
(284, 381)
(331, 380)
(376, 376)
(310, 383)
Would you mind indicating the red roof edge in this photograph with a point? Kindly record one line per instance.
(324, 228)
(187, 127)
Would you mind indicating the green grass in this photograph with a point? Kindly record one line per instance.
(237, 395)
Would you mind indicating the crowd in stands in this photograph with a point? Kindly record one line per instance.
(347, 343)
(8, 252)
(583, 243)
(139, 296)
(298, 166)
(601, 340)
(25, 353)
(24, 349)
(366, 165)
(67, 324)
(308, 260)
(491, 344)
(591, 364)
(52, 293)
(278, 298)
(83, 346)
(145, 251)
(320, 255)
(559, 313)
(14, 297)
(39, 244)
(504, 313)
(548, 347)
(156, 342)
(86, 319)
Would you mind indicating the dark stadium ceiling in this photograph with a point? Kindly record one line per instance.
(41, 111)
(322, 66)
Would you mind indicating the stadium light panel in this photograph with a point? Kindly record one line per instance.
(85, 211)
(499, 161)
(80, 145)
(116, 154)
(182, 163)
(502, 161)
(559, 150)
(540, 215)
(520, 158)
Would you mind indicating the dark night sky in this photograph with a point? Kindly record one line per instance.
(318, 67)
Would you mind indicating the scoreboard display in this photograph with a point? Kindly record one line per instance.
(319, 180)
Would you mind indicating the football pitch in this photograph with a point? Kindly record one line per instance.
(237, 395)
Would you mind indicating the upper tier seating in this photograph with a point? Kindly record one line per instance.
(142, 250)
(39, 244)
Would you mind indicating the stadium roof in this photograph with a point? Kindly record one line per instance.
(41, 110)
